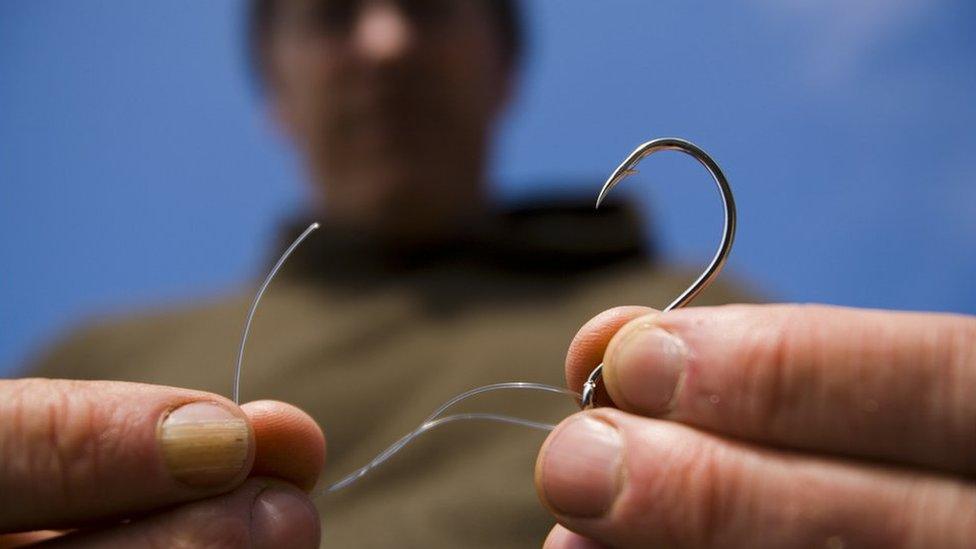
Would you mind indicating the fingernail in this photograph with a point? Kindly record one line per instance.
(580, 474)
(284, 517)
(204, 444)
(646, 368)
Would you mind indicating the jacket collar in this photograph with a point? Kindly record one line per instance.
(562, 236)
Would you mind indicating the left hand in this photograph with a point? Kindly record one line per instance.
(116, 464)
(768, 426)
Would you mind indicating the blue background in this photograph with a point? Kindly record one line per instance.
(137, 166)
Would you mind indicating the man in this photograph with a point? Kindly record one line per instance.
(737, 426)
(415, 289)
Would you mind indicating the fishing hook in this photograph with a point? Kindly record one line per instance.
(628, 168)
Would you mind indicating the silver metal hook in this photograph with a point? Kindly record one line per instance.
(627, 168)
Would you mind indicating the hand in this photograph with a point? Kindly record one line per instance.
(173, 464)
(772, 426)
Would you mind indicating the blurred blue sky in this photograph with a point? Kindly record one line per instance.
(136, 165)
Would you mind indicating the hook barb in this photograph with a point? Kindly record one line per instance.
(622, 172)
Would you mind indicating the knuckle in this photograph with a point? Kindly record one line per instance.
(14, 461)
(961, 351)
(51, 438)
(713, 498)
(776, 372)
(67, 452)
(690, 498)
(958, 384)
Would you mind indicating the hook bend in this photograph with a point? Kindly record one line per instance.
(629, 167)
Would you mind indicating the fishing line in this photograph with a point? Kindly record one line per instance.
(434, 420)
(254, 306)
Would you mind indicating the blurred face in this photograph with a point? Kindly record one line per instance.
(391, 104)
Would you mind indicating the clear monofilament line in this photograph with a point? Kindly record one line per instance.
(434, 420)
(508, 385)
(254, 307)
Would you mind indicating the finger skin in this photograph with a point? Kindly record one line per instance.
(244, 517)
(682, 487)
(561, 538)
(881, 385)
(77, 453)
(290, 444)
(26, 538)
(588, 346)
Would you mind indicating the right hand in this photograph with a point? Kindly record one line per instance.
(107, 463)
(768, 426)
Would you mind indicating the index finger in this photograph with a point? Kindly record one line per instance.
(589, 344)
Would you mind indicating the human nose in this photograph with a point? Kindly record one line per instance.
(383, 33)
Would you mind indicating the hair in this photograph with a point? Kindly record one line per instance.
(504, 12)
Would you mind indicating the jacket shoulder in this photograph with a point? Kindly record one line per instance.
(106, 346)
